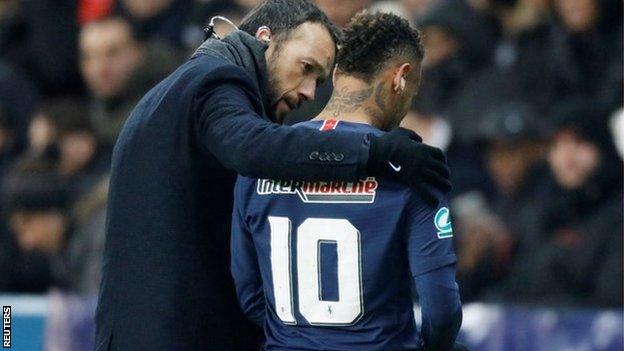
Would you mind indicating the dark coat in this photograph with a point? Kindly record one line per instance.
(166, 283)
(570, 252)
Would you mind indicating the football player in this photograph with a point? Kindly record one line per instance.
(332, 265)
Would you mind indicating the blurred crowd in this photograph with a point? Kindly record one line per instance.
(524, 96)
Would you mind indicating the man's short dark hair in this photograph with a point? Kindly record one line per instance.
(283, 16)
(136, 34)
(372, 39)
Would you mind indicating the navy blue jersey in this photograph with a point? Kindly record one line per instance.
(331, 265)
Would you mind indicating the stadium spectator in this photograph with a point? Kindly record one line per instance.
(518, 70)
(34, 201)
(118, 69)
(81, 159)
(490, 223)
(457, 44)
(21, 272)
(574, 256)
(586, 54)
(62, 131)
(66, 242)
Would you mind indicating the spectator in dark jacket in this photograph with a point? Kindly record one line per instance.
(458, 43)
(490, 223)
(586, 54)
(575, 255)
(518, 70)
(35, 202)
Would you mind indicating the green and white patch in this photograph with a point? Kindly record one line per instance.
(442, 221)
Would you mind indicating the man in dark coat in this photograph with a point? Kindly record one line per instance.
(166, 282)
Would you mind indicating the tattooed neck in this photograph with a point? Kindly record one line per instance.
(344, 100)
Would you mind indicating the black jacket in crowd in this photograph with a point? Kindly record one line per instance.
(166, 283)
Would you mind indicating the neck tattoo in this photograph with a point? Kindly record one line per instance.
(346, 101)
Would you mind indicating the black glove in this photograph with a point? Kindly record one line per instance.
(401, 155)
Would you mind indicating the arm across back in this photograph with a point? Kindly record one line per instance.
(243, 141)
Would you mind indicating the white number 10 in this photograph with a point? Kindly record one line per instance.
(348, 309)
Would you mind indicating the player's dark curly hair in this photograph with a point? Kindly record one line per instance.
(373, 39)
(282, 16)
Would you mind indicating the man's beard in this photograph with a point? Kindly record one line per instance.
(273, 85)
(273, 80)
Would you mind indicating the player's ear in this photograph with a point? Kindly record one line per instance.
(400, 78)
(334, 75)
(264, 34)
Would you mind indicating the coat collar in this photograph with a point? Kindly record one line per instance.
(245, 51)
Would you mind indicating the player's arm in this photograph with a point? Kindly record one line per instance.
(244, 265)
(441, 308)
(432, 264)
(243, 141)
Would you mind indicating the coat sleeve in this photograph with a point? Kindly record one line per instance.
(231, 130)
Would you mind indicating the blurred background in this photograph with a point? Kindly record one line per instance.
(524, 96)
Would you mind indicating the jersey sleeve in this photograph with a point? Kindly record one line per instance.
(441, 308)
(432, 263)
(244, 262)
(429, 234)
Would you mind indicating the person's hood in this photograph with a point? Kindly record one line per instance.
(245, 51)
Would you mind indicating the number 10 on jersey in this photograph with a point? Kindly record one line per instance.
(313, 231)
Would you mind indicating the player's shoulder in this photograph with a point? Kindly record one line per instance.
(339, 125)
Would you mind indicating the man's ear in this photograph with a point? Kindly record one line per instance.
(264, 34)
(400, 78)
(334, 75)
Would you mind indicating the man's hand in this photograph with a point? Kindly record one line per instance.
(401, 155)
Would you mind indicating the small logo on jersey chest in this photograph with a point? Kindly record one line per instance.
(442, 221)
(360, 192)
